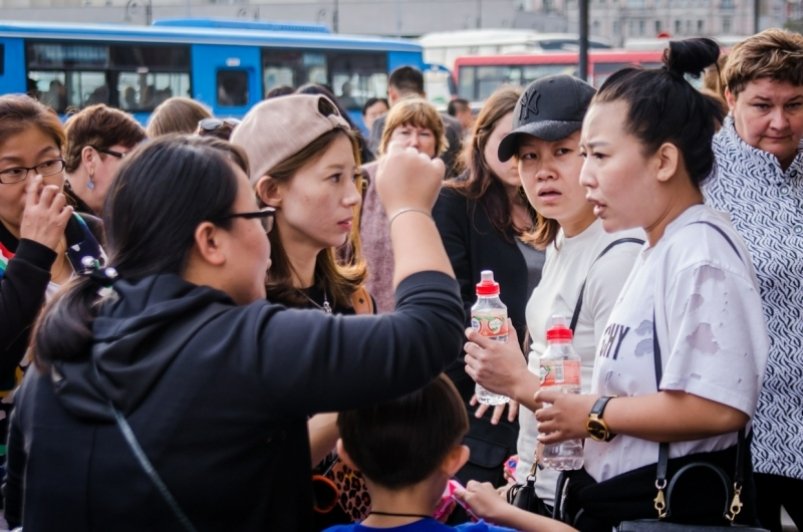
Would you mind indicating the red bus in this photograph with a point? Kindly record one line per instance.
(478, 76)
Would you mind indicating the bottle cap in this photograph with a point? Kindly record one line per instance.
(487, 286)
(559, 329)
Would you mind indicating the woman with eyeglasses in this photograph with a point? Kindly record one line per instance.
(98, 138)
(169, 394)
(42, 242)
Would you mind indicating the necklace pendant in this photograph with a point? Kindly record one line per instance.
(327, 307)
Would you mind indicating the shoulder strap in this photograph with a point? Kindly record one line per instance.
(362, 302)
(146, 466)
(579, 305)
(724, 235)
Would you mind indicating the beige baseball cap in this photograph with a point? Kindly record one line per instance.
(275, 129)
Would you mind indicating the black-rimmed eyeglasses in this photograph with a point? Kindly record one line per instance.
(9, 176)
(264, 215)
(114, 153)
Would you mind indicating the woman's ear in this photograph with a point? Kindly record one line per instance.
(89, 156)
(268, 191)
(668, 161)
(209, 244)
(730, 98)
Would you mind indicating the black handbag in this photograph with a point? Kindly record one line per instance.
(669, 506)
(524, 496)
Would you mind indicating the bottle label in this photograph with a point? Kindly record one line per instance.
(560, 372)
(491, 325)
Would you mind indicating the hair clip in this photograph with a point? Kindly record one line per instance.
(92, 268)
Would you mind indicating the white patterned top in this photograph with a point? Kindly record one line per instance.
(765, 204)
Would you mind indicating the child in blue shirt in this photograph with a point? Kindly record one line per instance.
(407, 450)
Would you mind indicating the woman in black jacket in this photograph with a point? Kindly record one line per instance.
(169, 394)
(483, 218)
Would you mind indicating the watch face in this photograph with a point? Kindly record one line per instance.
(597, 430)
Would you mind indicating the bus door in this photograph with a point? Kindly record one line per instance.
(12, 68)
(226, 78)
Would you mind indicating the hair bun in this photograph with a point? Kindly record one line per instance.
(690, 56)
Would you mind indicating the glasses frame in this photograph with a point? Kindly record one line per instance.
(114, 153)
(265, 215)
(29, 168)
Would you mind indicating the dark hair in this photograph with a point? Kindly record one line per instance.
(480, 184)
(456, 105)
(401, 442)
(371, 101)
(19, 111)
(664, 107)
(162, 192)
(407, 80)
(101, 127)
(279, 90)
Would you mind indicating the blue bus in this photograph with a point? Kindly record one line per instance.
(227, 65)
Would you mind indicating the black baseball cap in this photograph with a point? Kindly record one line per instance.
(551, 108)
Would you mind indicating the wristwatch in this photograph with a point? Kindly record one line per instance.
(596, 426)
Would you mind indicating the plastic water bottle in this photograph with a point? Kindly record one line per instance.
(489, 318)
(560, 370)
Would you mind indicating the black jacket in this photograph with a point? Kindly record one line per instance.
(218, 396)
(23, 285)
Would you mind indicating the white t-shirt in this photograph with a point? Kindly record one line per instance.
(711, 334)
(568, 264)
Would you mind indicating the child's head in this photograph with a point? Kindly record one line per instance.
(402, 442)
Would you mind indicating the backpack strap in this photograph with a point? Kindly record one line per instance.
(362, 302)
(579, 305)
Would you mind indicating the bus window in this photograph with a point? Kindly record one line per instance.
(232, 88)
(292, 68)
(534, 72)
(49, 88)
(131, 77)
(465, 82)
(86, 88)
(490, 78)
(143, 91)
(357, 77)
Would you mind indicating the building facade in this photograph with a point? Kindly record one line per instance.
(617, 21)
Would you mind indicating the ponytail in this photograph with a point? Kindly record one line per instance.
(64, 329)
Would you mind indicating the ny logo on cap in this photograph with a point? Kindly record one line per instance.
(528, 106)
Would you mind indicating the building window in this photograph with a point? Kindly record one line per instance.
(700, 27)
(677, 27)
(726, 25)
(657, 27)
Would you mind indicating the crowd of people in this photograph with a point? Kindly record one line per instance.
(263, 324)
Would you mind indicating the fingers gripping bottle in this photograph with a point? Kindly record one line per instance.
(489, 318)
(560, 369)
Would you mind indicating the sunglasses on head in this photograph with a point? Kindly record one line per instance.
(213, 124)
